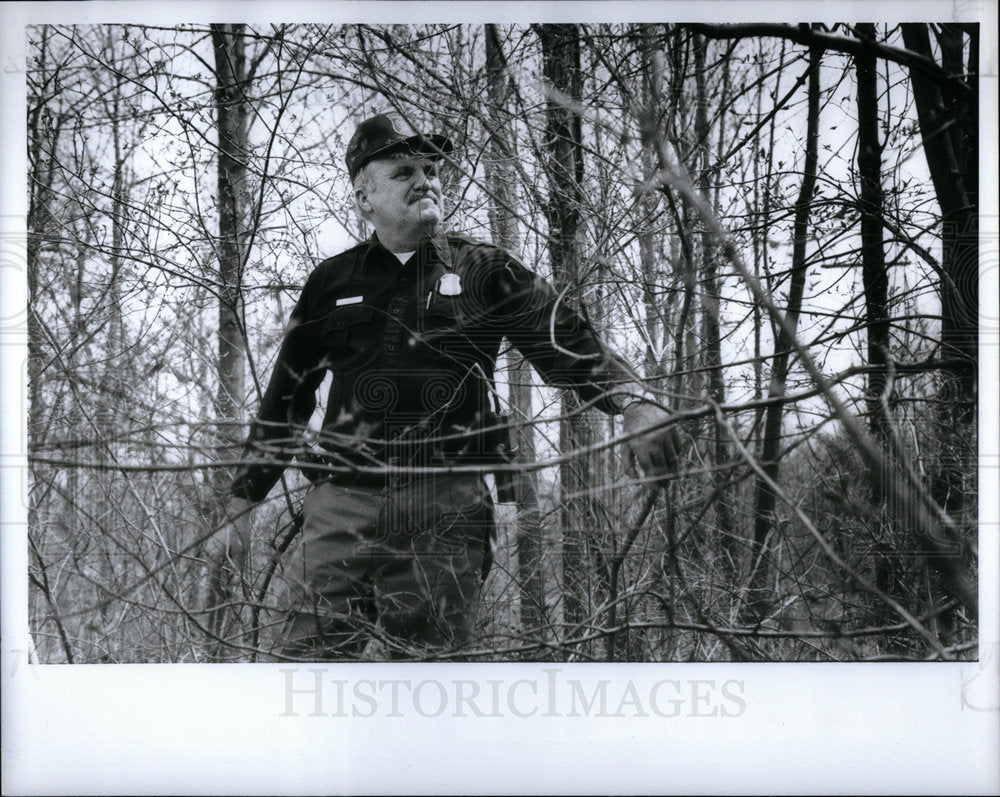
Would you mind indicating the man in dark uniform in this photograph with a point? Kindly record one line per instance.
(409, 322)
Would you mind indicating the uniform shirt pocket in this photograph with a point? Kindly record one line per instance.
(349, 315)
(441, 313)
(348, 334)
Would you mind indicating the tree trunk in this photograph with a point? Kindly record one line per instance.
(231, 127)
(561, 68)
(874, 276)
(44, 130)
(763, 201)
(769, 458)
(719, 452)
(500, 180)
(875, 280)
(952, 163)
(948, 114)
(43, 135)
(105, 506)
(231, 124)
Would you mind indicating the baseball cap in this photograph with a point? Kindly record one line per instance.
(381, 134)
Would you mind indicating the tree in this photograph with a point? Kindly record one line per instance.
(231, 108)
(500, 180)
(564, 166)
(948, 111)
(872, 211)
(771, 443)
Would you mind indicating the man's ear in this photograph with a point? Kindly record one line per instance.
(361, 199)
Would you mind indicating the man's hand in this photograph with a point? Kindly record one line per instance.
(228, 552)
(229, 549)
(655, 451)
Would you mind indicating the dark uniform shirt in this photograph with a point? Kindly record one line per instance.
(412, 349)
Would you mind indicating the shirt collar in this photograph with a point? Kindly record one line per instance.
(426, 240)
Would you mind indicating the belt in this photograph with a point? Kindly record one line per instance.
(491, 446)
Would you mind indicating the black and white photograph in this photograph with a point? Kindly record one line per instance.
(596, 361)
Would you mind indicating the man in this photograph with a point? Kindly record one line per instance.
(396, 533)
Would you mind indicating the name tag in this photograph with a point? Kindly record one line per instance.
(350, 300)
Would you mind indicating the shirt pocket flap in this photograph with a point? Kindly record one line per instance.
(442, 310)
(343, 317)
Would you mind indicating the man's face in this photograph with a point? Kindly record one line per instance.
(402, 193)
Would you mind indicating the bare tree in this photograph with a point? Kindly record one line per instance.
(771, 444)
(500, 177)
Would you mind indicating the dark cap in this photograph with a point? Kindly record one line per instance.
(380, 135)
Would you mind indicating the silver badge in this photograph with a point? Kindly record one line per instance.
(399, 125)
(450, 285)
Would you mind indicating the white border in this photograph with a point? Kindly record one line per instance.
(880, 728)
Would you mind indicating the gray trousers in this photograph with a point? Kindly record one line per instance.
(403, 563)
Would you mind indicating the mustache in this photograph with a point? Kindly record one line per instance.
(416, 196)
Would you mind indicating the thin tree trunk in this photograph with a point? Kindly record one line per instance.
(719, 453)
(765, 496)
(762, 200)
(875, 280)
(231, 124)
(500, 179)
(874, 276)
(43, 135)
(231, 127)
(561, 68)
(106, 507)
